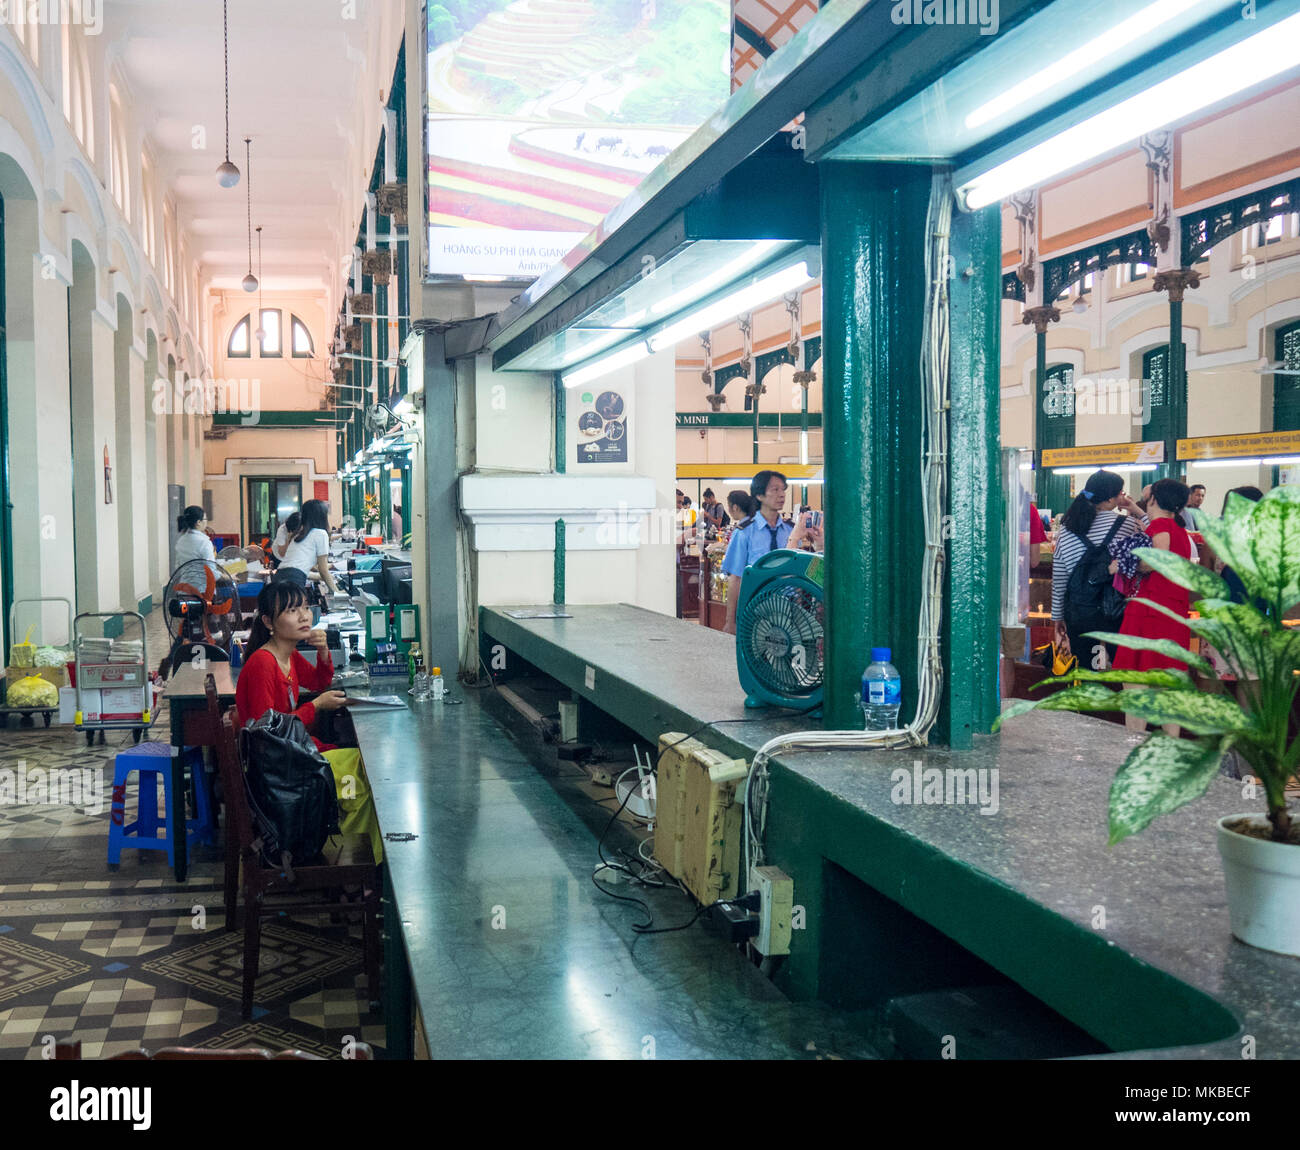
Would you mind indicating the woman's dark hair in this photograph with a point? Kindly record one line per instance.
(1170, 495)
(709, 492)
(1082, 513)
(189, 519)
(1254, 494)
(273, 601)
(743, 500)
(292, 524)
(313, 517)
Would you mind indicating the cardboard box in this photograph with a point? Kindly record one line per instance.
(111, 705)
(56, 675)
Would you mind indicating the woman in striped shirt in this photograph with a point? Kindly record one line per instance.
(1089, 520)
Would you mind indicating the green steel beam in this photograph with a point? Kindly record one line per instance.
(972, 535)
(561, 409)
(312, 418)
(873, 245)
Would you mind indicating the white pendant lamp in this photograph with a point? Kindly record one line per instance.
(227, 173)
(250, 280)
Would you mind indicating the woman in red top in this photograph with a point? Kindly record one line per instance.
(1168, 498)
(273, 677)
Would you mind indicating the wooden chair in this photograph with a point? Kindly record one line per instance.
(349, 861)
(71, 1052)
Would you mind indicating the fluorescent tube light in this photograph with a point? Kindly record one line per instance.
(603, 366)
(737, 303)
(1058, 72)
(1253, 462)
(608, 339)
(1119, 468)
(717, 278)
(1244, 65)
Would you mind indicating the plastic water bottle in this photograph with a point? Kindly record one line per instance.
(436, 684)
(882, 692)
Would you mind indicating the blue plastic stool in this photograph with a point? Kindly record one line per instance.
(149, 760)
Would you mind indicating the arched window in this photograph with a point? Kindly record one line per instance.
(303, 348)
(148, 218)
(272, 343)
(1286, 387)
(78, 107)
(119, 171)
(239, 345)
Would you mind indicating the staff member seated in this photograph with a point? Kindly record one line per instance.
(760, 533)
(192, 543)
(274, 674)
(308, 548)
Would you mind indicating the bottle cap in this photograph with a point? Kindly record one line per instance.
(880, 654)
(437, 670)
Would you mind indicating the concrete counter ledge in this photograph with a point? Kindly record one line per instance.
(1131, 943)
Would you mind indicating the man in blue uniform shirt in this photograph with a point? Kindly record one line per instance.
(763, 532)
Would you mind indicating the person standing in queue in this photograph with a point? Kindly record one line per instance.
(308, 549)
(192, 542)
(763, 531)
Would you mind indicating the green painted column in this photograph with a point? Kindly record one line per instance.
(873, 290)
(561, 401)
(1176, 281)
(385, 500)
(557, 596)
(972, 535)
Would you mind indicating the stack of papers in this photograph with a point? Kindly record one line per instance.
(126, 651)
(92, 650)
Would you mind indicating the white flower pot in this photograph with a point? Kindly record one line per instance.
(1263, 880)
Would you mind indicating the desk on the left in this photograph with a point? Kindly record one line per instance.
(187, 700)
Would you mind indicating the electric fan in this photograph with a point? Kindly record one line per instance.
(780, 639)
(201, 606)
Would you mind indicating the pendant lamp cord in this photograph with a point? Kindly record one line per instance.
(225, 37)
(248, 183)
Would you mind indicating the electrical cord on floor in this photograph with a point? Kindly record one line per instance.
(638, 876)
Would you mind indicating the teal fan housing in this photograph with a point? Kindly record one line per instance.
(780, 634)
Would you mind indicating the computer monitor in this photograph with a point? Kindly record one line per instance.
(391, 589)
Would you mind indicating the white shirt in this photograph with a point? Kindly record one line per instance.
(281, 538)
(304, 553)
(193, 544)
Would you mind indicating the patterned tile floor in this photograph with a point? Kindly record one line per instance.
(129, 958)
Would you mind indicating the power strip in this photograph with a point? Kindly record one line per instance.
(776, 904)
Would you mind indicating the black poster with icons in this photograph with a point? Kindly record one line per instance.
(602, 428)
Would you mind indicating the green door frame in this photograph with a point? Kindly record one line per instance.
(246, 494)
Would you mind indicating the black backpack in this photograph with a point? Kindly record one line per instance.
(291, 790)
(1091, 601)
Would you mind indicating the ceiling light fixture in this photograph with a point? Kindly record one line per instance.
(1246, 64)
(250, 280)
(227, 173)
(770, 287)
(1070, 65)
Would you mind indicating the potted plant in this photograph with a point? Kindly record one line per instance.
(1261, 853)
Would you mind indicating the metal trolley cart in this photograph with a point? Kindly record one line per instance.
(28, 712)
(122, 701)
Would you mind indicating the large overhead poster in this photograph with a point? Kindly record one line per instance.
(544, 114)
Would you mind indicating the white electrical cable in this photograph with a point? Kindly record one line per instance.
(934, 460)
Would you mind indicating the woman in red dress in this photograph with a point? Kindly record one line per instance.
(271, 679)
(1168, 498)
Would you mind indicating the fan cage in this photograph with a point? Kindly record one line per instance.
(781, 636)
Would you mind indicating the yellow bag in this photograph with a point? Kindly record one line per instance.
(1055, 662)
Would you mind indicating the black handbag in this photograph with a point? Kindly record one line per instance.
(1092, 602)
(291, 789)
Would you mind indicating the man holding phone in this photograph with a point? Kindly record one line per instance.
(762, 532)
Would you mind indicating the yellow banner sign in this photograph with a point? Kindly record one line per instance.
(1248, 446)
(1102, 454)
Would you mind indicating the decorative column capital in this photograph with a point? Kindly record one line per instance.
(1175, 281)
(1040, 317)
